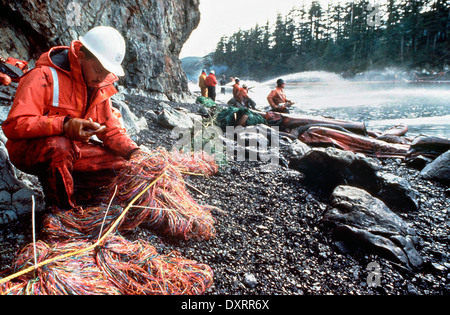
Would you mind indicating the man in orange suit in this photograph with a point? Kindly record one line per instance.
(277, 98)
(59, 106)
(211, 83)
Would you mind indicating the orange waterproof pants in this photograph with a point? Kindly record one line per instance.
(64, 166)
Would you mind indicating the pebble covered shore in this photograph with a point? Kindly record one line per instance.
(270, 239)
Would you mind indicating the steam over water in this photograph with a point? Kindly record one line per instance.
(380, 100)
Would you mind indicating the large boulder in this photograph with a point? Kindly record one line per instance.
(397, 193)
(154, 30)
(171, 118)
(439, 169)
(327, 168)
(429, 147)
(366, 223)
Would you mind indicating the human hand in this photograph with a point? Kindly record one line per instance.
(82, 129)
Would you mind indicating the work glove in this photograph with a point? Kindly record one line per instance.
(82, 129)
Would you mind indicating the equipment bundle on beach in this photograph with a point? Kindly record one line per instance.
(85, 254)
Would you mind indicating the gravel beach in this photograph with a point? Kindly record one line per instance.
(270, 239)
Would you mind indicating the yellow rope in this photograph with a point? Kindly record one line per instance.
(89, 248)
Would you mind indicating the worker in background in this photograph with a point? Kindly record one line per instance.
(277, 98)
(211, 83)
(243, 99)
(59, 106)
(223, 82)
(202, 84)
(236, 88)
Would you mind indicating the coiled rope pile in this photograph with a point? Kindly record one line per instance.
(148, 191)
(166, 207)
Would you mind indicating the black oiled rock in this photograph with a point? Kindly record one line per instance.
(361, 220)
(439, 169)
(330, 167)
(397, 193)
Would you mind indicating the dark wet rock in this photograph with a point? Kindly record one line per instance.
(252, 136)
(7, 96)
(439, 169)
(330, 167)
(430, 147)
(418, 162)
(363, 221)
(254, 143)
(397, 193)
(393, 139)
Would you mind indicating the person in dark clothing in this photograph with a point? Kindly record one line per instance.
(223, 82)
(236, 88)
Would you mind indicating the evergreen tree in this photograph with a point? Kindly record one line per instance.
(412, 33)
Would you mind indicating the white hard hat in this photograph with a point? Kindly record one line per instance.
(213, 72)
(108, 46)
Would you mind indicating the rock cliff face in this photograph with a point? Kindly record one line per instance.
(155, 31)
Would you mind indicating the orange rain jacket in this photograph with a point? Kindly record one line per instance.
(49, 93)
(276, 97)
(211, 80)
(242, 95)
(236, 89)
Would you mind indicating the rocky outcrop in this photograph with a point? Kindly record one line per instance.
(329, 167)
(155, 32)
(326, 168)
(15, 195)
(130, 121)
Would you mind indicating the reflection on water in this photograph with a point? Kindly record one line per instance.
(424, 108)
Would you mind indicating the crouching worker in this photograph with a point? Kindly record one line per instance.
(59, 106)
(277, 98)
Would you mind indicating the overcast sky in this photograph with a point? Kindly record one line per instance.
(225, 17)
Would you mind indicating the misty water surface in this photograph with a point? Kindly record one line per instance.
(425, 108)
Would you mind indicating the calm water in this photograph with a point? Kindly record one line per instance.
(425, 109)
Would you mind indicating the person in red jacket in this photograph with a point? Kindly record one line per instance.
(243, 99)
(277, 98)
(236, 87)
(59, 105)
(211, 83)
